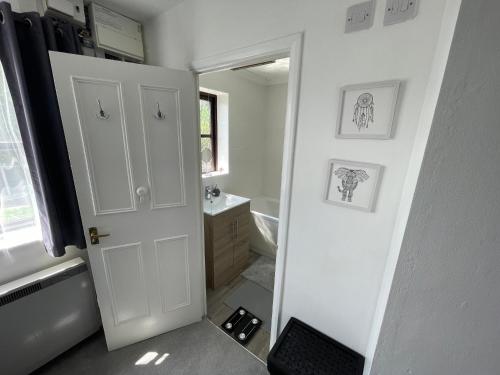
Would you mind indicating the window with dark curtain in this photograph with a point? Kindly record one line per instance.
(208, 132)
(41, 176)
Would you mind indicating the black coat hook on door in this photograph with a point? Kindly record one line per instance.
(102, 115)
(159, 115)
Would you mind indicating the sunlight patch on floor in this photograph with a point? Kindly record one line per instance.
(146, 358)
(149, 357)
(160, 360)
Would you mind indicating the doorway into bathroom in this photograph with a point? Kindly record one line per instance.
(242, 133)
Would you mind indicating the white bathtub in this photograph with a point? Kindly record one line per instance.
(264, 225)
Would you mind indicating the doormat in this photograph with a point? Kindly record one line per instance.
(241, 325)
(262, 272)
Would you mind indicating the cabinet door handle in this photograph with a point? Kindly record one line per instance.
(237, 227)
(234, 250)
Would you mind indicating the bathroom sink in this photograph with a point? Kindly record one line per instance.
(222, 203)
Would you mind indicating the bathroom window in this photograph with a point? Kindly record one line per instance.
(208, 132)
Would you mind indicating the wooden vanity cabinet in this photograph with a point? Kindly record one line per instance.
(227, 244)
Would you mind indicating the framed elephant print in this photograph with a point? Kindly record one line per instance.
(368, 110)
(353, 184)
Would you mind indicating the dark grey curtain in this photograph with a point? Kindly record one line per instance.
(24, 42)
(61, 36)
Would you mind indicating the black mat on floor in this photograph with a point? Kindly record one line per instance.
(303, 350)
(241, 325)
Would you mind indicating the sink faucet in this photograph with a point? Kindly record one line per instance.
(211, 191)
(208, 192)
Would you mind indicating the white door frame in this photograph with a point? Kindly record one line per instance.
(291, 46)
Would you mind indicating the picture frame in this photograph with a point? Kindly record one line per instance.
(368, 110)
(353, 184)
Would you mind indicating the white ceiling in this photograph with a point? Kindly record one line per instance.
(269, 74)
(139, 9)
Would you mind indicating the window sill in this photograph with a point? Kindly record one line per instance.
(214, 174)
(20, 238)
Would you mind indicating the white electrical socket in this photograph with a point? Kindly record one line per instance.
(397, 11)
(359, 17)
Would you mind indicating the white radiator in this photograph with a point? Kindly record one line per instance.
(45, 314)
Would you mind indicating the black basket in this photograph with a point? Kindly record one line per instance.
(302, 350)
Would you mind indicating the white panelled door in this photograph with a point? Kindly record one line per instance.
(133, 142)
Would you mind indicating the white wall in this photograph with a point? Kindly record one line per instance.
(275, 133)
(443, 315)
(23, 5)
(336, 256)
(425, 123)
(256, 130)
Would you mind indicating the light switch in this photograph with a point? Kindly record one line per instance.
(397, 11)
(359, 17)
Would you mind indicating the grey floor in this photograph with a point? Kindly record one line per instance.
(200, 348)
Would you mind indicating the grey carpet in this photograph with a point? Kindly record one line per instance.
(262, 272)
(255, 299)
(200, 348)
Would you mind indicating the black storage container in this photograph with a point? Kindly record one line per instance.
(303, 350)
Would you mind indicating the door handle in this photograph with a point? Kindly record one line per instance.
(94, 235)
